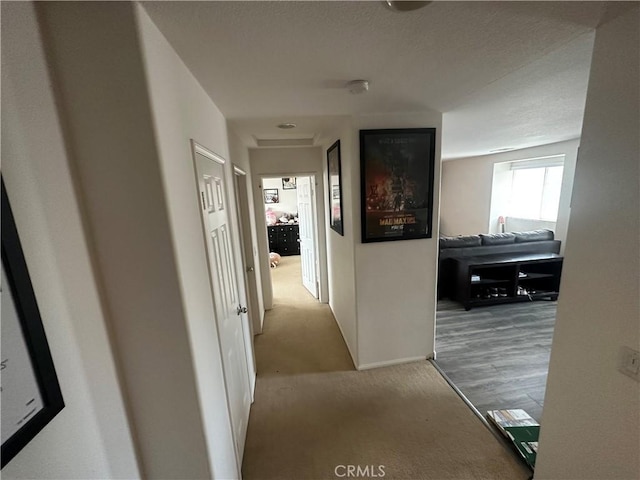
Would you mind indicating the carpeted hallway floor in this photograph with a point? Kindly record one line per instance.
(314, 415)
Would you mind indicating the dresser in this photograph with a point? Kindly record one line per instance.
(284, 239)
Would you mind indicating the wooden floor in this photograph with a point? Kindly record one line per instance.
(498, 356)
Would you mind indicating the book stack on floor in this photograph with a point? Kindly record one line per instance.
(521, 429)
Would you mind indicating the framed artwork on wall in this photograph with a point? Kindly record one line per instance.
(31, 395)
(271, 195)
(289, 183)
(396, 179)
(335, 188)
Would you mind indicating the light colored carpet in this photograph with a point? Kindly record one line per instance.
(313, 412)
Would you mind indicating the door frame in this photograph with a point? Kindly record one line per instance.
(230, 199)
(320, 230)
(250, 270)
(314, 228)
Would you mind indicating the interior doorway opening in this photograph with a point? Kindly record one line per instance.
(499, 276)
(291, 220)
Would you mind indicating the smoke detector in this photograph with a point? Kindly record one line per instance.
(357, 87)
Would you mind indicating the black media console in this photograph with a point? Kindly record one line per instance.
(507, 278)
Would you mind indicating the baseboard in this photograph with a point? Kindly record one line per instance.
(252, 382)
(263, 313)
(388, 363)
(344, 339)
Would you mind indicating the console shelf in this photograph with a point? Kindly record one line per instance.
(533, 276)
(488, 281)
(507, 278)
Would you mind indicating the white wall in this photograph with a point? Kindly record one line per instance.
(90, 437)
(130, 108)
(467, 185)
(591, 418)
(500, 194)
(182, 111)
(395, 281)
(279, 162)
(341, 249)
(288, 199)
(102, 91)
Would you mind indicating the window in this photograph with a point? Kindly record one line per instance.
(525, 194)
(535, 192)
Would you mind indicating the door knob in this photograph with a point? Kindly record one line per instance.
(249, 269)
(241, 309)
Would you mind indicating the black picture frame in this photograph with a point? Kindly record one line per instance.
(33, 337)
(396, 189)
(334, 169)
(271, 195)
(289, 183)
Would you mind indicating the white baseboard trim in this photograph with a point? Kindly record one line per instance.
(252, 381)
(344, 339)
(388, 363)
(262, 315)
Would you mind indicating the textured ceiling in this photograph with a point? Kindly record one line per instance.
(506, 74)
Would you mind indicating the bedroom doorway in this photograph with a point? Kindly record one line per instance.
(292, 233)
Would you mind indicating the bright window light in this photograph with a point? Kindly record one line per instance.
(535, 192)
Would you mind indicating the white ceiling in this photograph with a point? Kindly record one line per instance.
(505, 74)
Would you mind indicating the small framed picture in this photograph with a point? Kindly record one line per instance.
(335, 188)
(289, 183)
(271, 195)
(31, 395)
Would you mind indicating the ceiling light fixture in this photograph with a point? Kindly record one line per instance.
(405, 6)
(358, 86)
(287, 126)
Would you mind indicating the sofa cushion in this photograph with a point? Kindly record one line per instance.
(545, 246)
(534, 235)
(460, 242)
(497, 238)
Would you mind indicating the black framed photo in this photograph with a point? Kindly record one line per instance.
(271, 195)
(335, 188)
(396, 175)
(289, 183)
(31, 395)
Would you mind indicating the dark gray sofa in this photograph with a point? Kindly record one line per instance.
(534, 241)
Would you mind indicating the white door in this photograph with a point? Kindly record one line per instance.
(304, 191)
(248, 241)
(230, 314)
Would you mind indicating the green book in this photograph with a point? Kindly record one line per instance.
(521, 429)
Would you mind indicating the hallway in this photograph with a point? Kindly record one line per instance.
(314, 412)
(300, 334)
